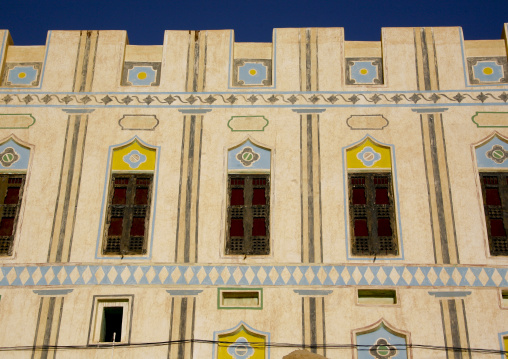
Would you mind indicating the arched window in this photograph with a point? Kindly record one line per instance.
(129, 199)
(371, 199)
(14, 159)
(248, 202)
(492, 161)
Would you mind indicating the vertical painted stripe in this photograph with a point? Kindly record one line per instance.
(425, 58)
(304, 188)
(431, 58)
(188, 190)
(182, 319)
(314, 83)
(171, 336)
(312, 324)
(193, 321)
(94, 41)
(454, 328)
(323, 323)
(445, 317)
(446, 190)
(462, 319)
(75, 190)
(303, 77)
(429, 175)
(316, 190)
(310, 188)
(182, 197)
(306, 316)
(304, 337)
(419, 59)
(195, 191)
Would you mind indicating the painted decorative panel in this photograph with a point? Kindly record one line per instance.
(134, 157)
(369, 155)
(22, 74)
(364, 71)
(247, 123)
(492, 154)
(381, 344)
(248, 156)
(13, 156)
(487, 70)
(252, 72)
(141, 74)
(242, 342)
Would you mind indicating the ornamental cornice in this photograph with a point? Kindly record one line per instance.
(228, 99)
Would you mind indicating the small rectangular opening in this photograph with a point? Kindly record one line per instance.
(377, 296)
(111, 328)
(504, 298)
(240, 299)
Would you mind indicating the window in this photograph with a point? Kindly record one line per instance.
(248, 214)
(110, 320)
(377, 296)
(240, 298)
(128, 214)
(11, 192)
(495, 204)
(371, 214)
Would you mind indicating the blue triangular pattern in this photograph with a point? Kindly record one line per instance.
(68, 270)
(426, 281)
(231, 279)
(207, 280)
(291, 280)
(388, 271)
(374, 271)
(279, 280)
(490, 282)
(502, 273)
(17, 280)
(413, 271)
(438, 282)
(219, 280)
(105, 270)
(255, 280)
(56, 271)
(181, 279)
(31, 271)
(44, 270)
(476, 271)
(80, 280)
(362, 270)
(303, 270)
(327, 280)
(93, 270)
(268, 280)
(5, 271)
(119, 270)
(156, 279)
(339, 280)
(243, 280)
(195, 280)
(351, 270)
(451, 281)
(463, 281)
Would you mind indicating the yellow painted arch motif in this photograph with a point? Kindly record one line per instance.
(242, 332)
(359, 157)
(134, 157)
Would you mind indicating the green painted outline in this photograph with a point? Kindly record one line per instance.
(477, 125)
(18, 114)
(233, 117)
(220, 290)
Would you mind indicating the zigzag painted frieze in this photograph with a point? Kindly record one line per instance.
(254, 99)
(254, 275)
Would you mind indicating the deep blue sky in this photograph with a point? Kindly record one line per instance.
(253, 21)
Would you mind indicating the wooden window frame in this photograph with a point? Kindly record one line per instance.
(248, 244)
(498, 245)
(371, 212)
(127, 244)
(96, 321)
(10, 210)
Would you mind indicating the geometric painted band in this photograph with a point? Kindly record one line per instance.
(252, 99)
(253, 275)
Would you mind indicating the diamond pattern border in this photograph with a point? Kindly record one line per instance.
(278, 275)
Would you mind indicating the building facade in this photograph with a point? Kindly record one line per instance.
(206, 198)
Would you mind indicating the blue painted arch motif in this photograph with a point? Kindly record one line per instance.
(14, 156)
(379, 341)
